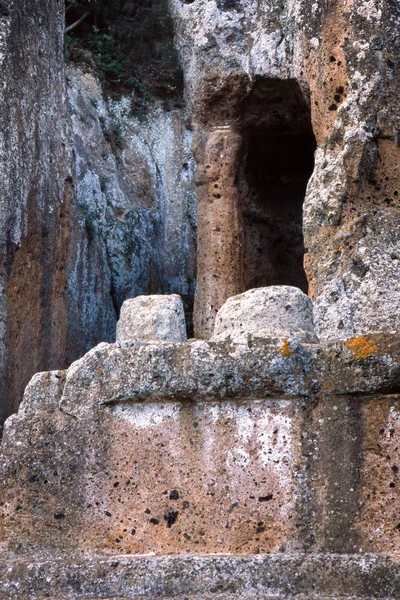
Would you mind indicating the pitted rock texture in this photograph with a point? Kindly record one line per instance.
(276, 311)
(342, 58)
(199, 447)
(152, 318)
(219, 249)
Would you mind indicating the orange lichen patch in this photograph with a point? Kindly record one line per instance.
(100, 371)
(362, 347)
(285, 349)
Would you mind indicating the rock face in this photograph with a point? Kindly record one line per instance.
(152, 319)
(111, 213)
(207, 447)
(262, 444)
(36, 189)
(96, 206)
(282, 79)
(276, 311)
(135, 187)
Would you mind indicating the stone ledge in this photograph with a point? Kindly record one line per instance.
(235, 420)
(276, 577)
(200, 370)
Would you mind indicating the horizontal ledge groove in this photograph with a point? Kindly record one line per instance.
(140, 399)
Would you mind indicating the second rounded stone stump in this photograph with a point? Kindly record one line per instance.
(275, 311)
(152, 319)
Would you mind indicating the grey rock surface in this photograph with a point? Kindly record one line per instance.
(200, 370)
(277, 577)
(152, 319)
(276, 311)
(135, 188)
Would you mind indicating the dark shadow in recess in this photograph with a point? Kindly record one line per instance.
(279, 160)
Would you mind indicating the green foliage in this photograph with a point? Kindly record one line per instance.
(131, 43)
(108, 54)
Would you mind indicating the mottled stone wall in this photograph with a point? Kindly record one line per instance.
(344, 57)
(95, 205)
(204, 447)
(35, 194)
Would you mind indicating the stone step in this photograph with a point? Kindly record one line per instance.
(223, 596)
(218, 577)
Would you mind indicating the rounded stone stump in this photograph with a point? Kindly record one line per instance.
(278, 311)
(152, 319)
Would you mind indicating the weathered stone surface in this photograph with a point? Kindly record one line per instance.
(277, 577)
(171, 476)
(219, 248)
(35, 194)
(152, 319)
(239, 446)
(328, 69)
(97, 205)
(42, 388)
(276, 311)
(135, 187)
(199, 447)
(379, 474)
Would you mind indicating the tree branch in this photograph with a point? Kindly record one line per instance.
(71, 27)
(71, 5)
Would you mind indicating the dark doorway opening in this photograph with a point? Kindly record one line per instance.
(279, 147)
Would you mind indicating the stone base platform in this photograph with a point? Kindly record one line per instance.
(223, 577)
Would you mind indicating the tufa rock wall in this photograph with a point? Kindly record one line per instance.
(96, 206)
(281, 78)
(111, 213)
(36, 194)
(241, 447)
(271, 438)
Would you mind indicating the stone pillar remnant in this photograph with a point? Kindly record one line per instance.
(219, 264)
(275, 311)
(152, 319)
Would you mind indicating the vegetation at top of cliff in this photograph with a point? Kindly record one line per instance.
(131, 44)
